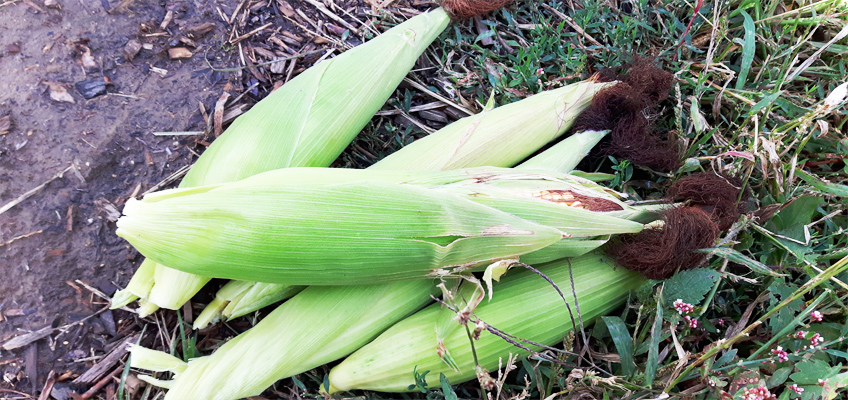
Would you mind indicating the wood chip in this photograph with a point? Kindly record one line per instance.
(6, 124)
(106, 363)
(69, 218)
(25, 339)
(131, 49)
(201, 29)
(48, 386)
(286, 8)
(179, 53)
(31, 365)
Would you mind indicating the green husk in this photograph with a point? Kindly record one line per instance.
(563, 158)
(307, 122)
(311, 328)
(237, 298)
(366, 232)
(499, 136)
(524, 305)
(280, 346)
(552, 158)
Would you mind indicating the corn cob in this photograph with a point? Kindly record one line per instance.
(478, 140)
(307, 122)
(499, 136)
(302, 225)
(287, 342)
(524, 305)
(563, 158)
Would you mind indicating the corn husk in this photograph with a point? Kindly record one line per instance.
(309, 330)
(238, 298)
(524, 305)
(557, 159)
(500, 136)
(307, 122)
(563, 158)
(302, 226)
(365, 232)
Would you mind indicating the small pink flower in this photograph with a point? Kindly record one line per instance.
(781, 354)
(800, 334)
(795, 388)
(693, 323)
(540, 71)
(683, 308)
(757, 393)
(816, 316)
(816, 340)
(721, 322)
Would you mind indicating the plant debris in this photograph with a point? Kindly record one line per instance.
(94, 87)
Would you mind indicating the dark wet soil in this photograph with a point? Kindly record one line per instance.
(62, 233)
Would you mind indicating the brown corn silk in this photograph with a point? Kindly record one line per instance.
(659, 252)
(467, 9)
(713, 203)
(626, 110)
(718, 195)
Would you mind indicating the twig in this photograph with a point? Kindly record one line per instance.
(251, 33)
(513, 340)
(171, 179)
(332, 15)
(33, 191)
(103, 382)
(437, 96)
(24, 236)
(573, 25)
(48, 386)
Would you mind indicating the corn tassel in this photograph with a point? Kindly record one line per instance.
(307, 122)
(525, 305)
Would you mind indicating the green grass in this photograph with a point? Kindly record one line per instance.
(737, 71)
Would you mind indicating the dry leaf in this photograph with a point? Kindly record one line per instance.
(219, 113)
(58, 92)
(87, 59)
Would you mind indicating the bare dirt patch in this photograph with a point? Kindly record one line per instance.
(51, 55)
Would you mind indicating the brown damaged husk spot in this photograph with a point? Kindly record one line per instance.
(659, 252)
(719, 196)
(467, 9)
(626, 109)
(577, 200)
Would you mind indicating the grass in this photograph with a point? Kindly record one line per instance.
(751, 80)
(748, 100)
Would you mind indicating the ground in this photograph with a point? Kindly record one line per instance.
(63, 233)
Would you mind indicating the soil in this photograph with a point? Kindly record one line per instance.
(61, 238)
(100, 110)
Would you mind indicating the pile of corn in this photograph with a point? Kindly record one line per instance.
(377, 243)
